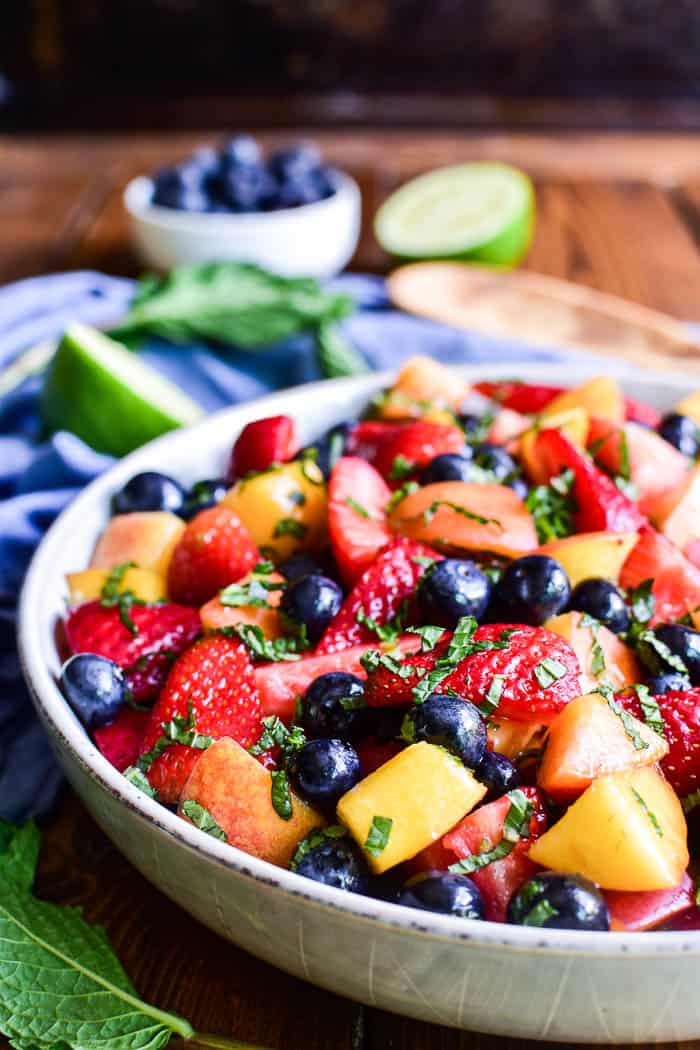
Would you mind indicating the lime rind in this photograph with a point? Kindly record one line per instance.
(104, 394)
(478, 211)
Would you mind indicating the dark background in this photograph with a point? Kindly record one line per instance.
(103, 64)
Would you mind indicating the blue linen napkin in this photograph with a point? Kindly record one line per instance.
(38, 479)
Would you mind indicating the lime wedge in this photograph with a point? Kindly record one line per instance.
(103, 393)
(484, 212)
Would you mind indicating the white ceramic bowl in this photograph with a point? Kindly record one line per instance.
(313, 240)
(539, 984)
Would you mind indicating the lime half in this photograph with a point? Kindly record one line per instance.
(479, 211)
(103, 393)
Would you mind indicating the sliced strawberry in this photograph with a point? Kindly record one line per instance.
(380, 592)
(214, 550)
(676, 583)
(280, 684)
(481, 831)
(645, 910)
(214, 679)
(638, 412)
(416, 444)
(262, 443)
(681, 715)
(434, 857)
(521, 397)
(357, 524)
(120, 742)
(147, 676)
(601, 505)
(167, 629)
(687, 920)
(528, 651)
(367, 438)
(654, 465)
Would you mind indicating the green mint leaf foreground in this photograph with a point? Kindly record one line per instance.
(61, 985)
(243, 305)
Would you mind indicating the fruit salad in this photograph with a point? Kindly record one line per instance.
(448, 655)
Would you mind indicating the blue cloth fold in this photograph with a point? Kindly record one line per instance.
(38, 479)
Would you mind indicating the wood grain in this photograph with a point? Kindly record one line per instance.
(618, 213)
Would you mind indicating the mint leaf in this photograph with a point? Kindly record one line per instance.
(653, 819)
(650, 709)
(317, 836)
(336, 356)
(254, 593)
(549, 671)
(628, 722)
(493, 695)
(515, 827)
(112, 596)
(552, 507)
(290, 527)
(61, 983)
(202, 819)
(378, 835)
(263, 648)
(389, 631)
(401, 468)
(280, 796)
(357, 507)
(400, 494)
(539, 913)
(429, 635)
(276, 734)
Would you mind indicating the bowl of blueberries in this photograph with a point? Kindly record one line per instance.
(287, 211)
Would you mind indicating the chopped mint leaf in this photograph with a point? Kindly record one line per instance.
(178, 730)
(290, 527)
(358, 508)
(310, 469)
(652, 816)
(263, 648)
(552, 507)
(389, 631)
(461, 645)
(624, 471)
(628, 722)
(422, 561)
(642, 602)
(112, 596)
(429, 513)
(430, 635)
(549, 671)
(539, 913)
(202, 819)
(378, 836)
(276, 734)
(597, 653)
(134, 775)
(316, 838)
(375, 658)
(690, 802)
(400, 494)
(515, 827)
(255, 592)
(401, 468)
(493, 695)
(650, 709)
(656, 655)
(353, 703)
(280, 795)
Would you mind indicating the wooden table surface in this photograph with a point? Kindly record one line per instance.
(617, 212)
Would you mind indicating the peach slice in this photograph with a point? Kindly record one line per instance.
(146, 538)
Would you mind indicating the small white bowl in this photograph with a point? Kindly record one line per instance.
(313, 240)
(561, 985)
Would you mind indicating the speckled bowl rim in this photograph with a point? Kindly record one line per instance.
(63, 725)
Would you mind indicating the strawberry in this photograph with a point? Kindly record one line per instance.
(214, 679)
(165, 629)
(653, 464)
(638, 412)
(357, 524)
(602, 507)
(415, 445)
(120, 741)
(145, 678)
(262, 443)
(524, 697)
(280, 684)
(676, 583)
(521, 397)
(214, 550)
(481, 831)
(647, 909)
(681, 716)
(381, 591)
(367, 438)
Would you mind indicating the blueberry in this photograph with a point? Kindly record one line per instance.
(149, 491)
(311, 602)
(298, 565)
(295, 162)
(530, 590)
(669, 682)
(206, 159)
(475, 427)
(681, 432)
(444, 893)
(294, 194)
(684, 646)
(496, 460)
(601, 599)
(241, 150)
(449, 722)
(244, 189)
(322, 771)
(450, 466)
(333, 705)
(559, 902)
(498, 773)
(331, 447)
(388, 886)
(202, 495)
(182, 188)
(519, 486)
(94, 687)
(335, 862)
(453, 588)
